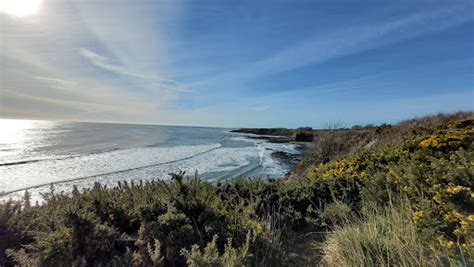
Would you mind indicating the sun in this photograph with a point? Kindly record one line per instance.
(20, 8)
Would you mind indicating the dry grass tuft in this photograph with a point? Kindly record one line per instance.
(381, 238)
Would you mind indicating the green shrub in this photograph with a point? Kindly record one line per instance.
(210, 256)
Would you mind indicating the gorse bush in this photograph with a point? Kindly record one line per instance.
(336, 143)
(10, 234)
(348, 202)
(434, 171)
(210, 256)
(144, 224)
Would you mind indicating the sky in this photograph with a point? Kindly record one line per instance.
(264, 63)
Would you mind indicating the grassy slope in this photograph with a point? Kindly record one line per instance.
(345, 205)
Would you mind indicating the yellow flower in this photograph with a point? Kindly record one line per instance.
(259, 228)
(445, 243)
(456, 189)
(458, 232)
(452, 216)
(417, 215)
(463, 229)
(430, 142)
(470, 218)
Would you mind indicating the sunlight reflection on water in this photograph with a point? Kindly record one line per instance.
(13, 131)
(16, 136)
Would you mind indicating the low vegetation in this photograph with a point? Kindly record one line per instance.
(389, 195)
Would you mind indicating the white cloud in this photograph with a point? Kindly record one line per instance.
(346, 41)
(261, 108)
(105, 63)
(56, 83)
(43, 75)
(99, 107)
(363, 37)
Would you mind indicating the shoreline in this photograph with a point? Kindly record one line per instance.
(286, 159)
(269, 134)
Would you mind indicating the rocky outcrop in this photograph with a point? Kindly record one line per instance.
(285, 157)
(280, 135)
(266, 131)
(304, 136)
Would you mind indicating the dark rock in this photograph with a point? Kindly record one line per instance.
(279, 140)
(285, 157)
(304, 136)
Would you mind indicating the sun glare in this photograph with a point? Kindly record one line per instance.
(13, 131)
(20, 8)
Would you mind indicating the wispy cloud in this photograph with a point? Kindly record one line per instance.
(106, 64)
(261, 108)
(361, 38)
(347, 41)
(43, 70)
(99, 107)
(56, 83)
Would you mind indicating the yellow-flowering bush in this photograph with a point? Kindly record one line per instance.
(435, 172)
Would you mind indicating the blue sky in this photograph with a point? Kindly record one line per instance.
(237, 63)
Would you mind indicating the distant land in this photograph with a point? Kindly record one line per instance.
(304, 134)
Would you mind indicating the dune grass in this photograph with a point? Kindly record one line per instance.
(382, 237)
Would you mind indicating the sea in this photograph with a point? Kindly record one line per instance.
(40, 155)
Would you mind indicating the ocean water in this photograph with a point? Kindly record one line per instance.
(36, 154)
